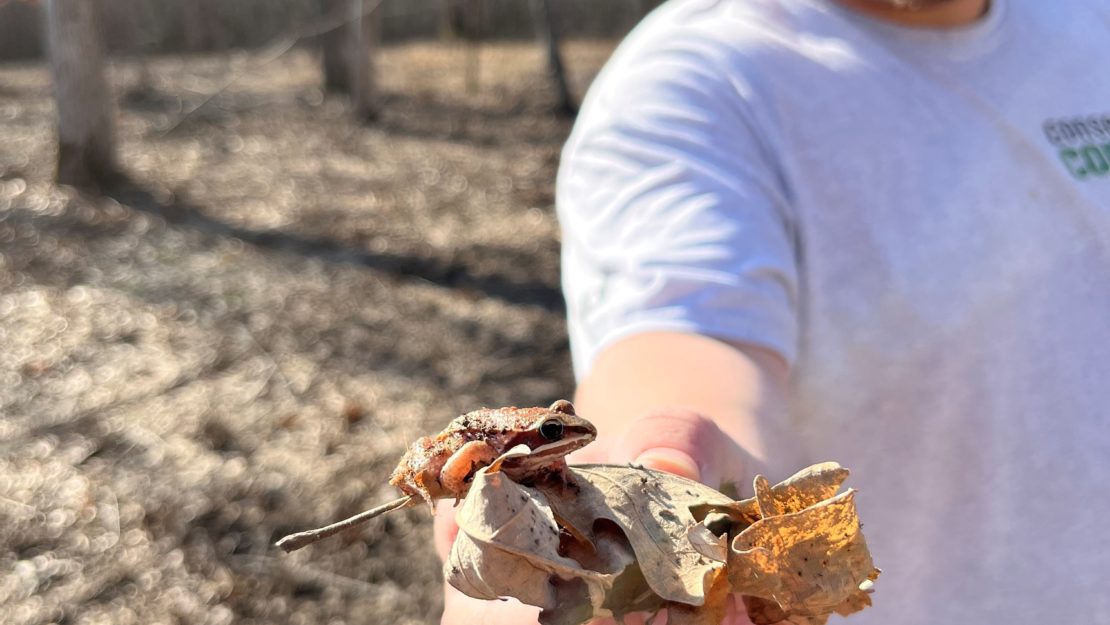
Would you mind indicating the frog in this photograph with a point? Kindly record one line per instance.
(443, 465)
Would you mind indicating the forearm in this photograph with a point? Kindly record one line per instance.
(742, 389)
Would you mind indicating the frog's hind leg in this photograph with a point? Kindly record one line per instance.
(460, 467)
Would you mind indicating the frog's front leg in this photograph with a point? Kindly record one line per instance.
(462, 464)
(565, 476)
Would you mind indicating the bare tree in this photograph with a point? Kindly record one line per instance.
(544, 19)
(86, 115)
(474, 21)
(365, 39)
(448, 19)
(335, 48)
(349, 51)
(464, 20)
(204, 28)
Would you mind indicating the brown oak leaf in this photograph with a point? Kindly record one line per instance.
(611, 540)
(508, 546)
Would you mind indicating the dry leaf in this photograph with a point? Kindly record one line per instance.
(808, 487)
(805, 488)
(810, 562)
(767, 612)
(508, 545)
(708, 544)
(631, 592)
(652, 508)
(621, 539)
(711, 612)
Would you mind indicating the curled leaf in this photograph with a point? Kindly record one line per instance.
(508, 545)
(805, 488)
(652, 508)
(708, 544)
(810, 562)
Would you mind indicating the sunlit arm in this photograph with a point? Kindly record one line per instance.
(642, 391)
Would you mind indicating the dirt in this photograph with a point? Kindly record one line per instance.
(240, 340)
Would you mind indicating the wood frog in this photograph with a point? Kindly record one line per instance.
(435, 467)
(443, 465)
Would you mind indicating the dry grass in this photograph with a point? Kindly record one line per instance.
(240, 343)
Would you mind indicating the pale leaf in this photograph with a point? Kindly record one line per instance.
(652, 508)
(707, 543)
(508, 545)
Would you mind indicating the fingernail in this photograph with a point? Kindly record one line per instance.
(671, 461)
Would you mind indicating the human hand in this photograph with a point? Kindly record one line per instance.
(680, 442)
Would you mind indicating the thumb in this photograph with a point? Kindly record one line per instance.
(682, 442)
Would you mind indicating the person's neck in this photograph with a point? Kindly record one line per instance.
(929, 14)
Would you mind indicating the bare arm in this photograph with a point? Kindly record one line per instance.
(642, 390)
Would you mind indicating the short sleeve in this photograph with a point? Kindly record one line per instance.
(673, 211)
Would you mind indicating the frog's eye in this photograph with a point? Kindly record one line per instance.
(551, 430)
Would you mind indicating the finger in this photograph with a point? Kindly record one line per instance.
(594, 453)
(459, 609)
(678, 441)
(445, 528)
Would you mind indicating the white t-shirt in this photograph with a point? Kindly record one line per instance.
(919, 222)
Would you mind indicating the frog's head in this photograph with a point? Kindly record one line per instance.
(561, 428)
(555, 431)
(550, 434)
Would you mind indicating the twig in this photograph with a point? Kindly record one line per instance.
(294, 542)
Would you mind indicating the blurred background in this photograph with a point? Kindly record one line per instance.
(290, 237)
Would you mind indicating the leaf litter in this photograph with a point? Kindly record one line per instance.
(617, 539)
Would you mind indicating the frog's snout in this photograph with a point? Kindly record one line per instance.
(581, 430)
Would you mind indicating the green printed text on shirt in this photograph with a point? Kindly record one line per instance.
(1083, 144)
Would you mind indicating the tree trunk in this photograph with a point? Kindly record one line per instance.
(335, 49)
(143, 36)
(365, 32)
(86, 116)
(542, 14)
(450, 19)
(204, 28)
(473, 21)
(349, 51)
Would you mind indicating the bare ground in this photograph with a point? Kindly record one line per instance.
(240, 341)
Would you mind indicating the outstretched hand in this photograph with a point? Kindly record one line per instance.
(680, 442)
